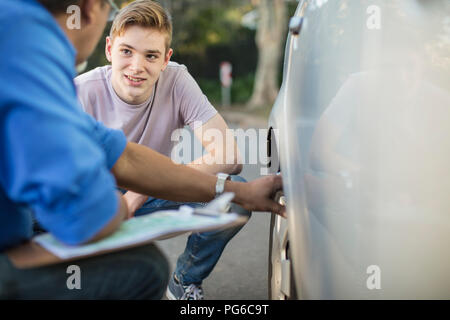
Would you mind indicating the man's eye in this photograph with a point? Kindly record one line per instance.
(151, 57)
(126, 51)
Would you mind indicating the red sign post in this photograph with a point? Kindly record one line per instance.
(226, 80)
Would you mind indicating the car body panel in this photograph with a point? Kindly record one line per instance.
(363, 123)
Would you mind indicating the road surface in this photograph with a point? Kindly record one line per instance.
(241, 273)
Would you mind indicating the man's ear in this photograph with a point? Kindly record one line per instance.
(167, 59)
(87, 8)
(108, 47)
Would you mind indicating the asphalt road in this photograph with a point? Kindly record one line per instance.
(241, 273)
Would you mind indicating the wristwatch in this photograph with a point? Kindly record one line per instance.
(220, 184)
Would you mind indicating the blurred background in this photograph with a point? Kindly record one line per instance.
(249, 34)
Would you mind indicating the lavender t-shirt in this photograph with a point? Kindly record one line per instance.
(176, 101)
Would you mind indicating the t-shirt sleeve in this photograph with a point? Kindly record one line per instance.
(54, 159)
(195, 107)
(83, 99)
(85, 91)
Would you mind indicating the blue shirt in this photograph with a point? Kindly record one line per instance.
(55, 160)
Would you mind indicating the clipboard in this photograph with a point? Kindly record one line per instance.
(32, 255)
(132, 233)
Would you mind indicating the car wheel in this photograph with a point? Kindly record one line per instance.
(281, 282)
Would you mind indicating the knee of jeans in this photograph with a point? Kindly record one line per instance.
(121, 190)
(240, 210)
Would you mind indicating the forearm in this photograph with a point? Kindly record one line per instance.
(222, 153)
(200, 165)
(226, 160)
(145, 171)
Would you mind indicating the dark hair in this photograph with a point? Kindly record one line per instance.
(58, 6)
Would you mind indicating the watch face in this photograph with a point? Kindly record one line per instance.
(220, 184)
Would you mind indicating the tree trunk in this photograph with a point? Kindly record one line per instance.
(270, 36)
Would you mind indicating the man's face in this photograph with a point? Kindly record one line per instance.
(137, 58)
(91, 30)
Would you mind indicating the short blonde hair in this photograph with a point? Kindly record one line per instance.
(143, 13)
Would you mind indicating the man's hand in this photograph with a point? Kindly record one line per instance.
(259, 194)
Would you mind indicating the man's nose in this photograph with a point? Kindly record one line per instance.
(137, 63)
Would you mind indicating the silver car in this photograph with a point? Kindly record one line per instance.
(360, 132)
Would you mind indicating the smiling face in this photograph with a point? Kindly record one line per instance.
(137, 57)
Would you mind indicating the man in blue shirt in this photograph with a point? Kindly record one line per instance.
(60, 164)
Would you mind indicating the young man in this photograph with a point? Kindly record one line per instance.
(149, 97)
(59, 163)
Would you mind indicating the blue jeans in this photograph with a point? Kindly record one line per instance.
(204, 249)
